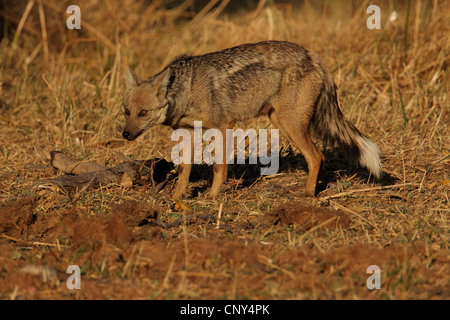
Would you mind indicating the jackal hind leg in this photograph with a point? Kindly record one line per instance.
(296, 129)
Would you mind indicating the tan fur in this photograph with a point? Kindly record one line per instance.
(279, 79)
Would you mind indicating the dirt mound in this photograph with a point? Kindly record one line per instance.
(16, 216)
(307, 217)
(135, 213)
(94, 231)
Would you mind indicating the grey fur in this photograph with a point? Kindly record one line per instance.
(280, 79)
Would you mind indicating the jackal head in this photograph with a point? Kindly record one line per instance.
(145, 103)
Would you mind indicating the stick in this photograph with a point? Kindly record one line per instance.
(343, 194)
(33, 243)
(219, 216)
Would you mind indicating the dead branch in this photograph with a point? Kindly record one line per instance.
(83, 174)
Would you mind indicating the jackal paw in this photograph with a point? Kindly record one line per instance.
(212, 194)
(177, 195)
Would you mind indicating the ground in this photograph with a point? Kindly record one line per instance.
(263, 237)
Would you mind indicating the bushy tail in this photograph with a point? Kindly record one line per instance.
(329, 124)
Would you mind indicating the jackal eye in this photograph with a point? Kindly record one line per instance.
(127, 111)
(142, 113)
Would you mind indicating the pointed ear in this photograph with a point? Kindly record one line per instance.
(163, 81)
(133, 79)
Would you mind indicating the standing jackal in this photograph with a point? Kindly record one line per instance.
(279, 79)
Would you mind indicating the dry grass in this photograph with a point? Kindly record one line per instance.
(61, 90)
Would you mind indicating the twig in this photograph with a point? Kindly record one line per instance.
(18, 32)
(340, 206)
(31, 243)
(310, 231)
(219, 216)
(343, 194)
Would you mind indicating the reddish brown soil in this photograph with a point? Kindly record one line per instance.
(124, 256)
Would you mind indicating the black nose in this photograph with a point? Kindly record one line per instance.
(126, 135)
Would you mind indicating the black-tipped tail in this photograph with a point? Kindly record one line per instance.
(329, 124)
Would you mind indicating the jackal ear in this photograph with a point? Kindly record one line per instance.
(133, 79)
(163, 81)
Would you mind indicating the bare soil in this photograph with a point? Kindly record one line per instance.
(123, 256)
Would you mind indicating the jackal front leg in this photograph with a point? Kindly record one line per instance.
(184, 171)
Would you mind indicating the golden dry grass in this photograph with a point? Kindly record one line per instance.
(61, 89)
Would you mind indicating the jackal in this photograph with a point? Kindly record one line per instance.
(280, 79)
